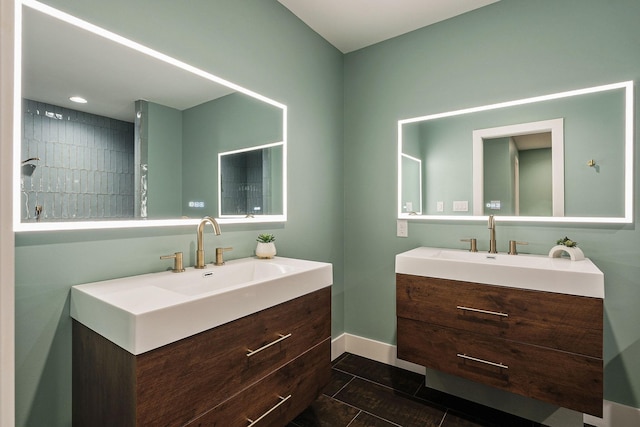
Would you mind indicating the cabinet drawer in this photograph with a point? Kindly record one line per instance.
(181, 381)
(278, 398)
(560, 321)
(561, 378)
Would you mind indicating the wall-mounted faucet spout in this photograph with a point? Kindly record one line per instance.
(200, 239)
(492, 235)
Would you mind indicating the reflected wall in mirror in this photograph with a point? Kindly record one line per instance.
(145, 144)
(461, 179)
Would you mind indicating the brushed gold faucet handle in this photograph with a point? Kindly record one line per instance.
(513, 246)
(219, 255)
(178, 265)
(473, 244)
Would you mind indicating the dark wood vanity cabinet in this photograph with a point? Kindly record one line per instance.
(543, 345)
(209, 379)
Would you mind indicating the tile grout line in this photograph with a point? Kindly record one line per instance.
(354, 418)
(333, 396)
(387, 387)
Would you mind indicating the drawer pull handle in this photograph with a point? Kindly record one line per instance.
(486, 362)
(264, 347)
(477, 310)
(282, 400)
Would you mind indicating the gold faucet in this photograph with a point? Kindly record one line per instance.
(200, 239)
(492, 235)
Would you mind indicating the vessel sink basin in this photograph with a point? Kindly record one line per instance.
(535, 272)
(141, 313)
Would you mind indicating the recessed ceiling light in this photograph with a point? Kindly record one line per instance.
(78, 99)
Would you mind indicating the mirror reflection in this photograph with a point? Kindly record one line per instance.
(250, 182)
(534, 159)
(145, 142)
(519, 169)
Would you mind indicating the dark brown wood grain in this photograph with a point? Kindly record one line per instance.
(302, 379)
(177, 383)
(560, 321)
(99, 399)
(551, 342)
(565, 379)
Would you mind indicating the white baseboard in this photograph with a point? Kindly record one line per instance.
(615, 414)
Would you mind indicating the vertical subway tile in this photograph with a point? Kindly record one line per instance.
(75, 188)
(50, 158)
(82, 156)
(104, 184)
(99, 159)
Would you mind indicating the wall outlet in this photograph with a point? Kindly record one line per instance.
(402, 228)
(439, 206)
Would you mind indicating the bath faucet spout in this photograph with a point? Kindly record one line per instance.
(200, 239)
(492, 235)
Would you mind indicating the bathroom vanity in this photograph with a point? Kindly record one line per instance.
(262, 368)
(526, 324)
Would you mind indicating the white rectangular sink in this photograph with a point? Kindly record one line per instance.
(535, 272)
(141, 313)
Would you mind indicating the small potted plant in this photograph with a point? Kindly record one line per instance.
(266, 247)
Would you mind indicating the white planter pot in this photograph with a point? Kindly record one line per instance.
(575, 253)
(266, 250)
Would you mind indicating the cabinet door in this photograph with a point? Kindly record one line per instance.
(565, 322)
(565, 379)
(181, 381)
(278, 398)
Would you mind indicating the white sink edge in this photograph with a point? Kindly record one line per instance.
(138, 333)
(423, 262)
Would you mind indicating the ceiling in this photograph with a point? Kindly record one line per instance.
(353, 24)
(52, 69)
(60, 60)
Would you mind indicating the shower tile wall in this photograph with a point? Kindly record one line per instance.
(85, 168)
(242, 183)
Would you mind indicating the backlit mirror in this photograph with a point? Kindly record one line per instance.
(143, 149)
(563, 157)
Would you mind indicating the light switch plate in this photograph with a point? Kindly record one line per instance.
(460, 206)
(402, 228)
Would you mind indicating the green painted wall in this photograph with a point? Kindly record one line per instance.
(228, 123)
(536, 195)
(341, 117)
(164, 156)
(512, 49)
(258, 44)
(498, 177)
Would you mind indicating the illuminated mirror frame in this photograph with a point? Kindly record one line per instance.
(628, 159)
(19, 226)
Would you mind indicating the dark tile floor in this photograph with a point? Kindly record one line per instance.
(366, 393)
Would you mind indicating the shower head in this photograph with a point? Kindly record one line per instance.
(27, 170)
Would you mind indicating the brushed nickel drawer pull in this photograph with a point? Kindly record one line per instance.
(282, 338)
(282, 400)
(477, 310)
(486, 362)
